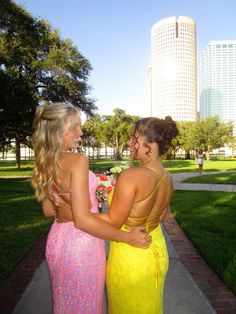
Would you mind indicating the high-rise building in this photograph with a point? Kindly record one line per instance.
(217, 81)
(173, 83)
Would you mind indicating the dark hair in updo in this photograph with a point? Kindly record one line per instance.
(161, 131)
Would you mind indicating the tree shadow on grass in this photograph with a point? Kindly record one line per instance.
(22, 222)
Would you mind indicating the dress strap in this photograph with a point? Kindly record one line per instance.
(58, 195)
(156, 186)
(140, 221)
(151, 168)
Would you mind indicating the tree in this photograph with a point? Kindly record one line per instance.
(115, 130)
(185, 137)
(36, 66)
(232, 144)
(17, 111)
(211, 133)
(89, 129)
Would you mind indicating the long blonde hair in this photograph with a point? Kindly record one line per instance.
(49, 123)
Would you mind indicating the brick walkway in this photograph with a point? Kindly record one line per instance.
(221, 298)
(14, 285)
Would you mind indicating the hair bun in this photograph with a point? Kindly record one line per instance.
(168, 119)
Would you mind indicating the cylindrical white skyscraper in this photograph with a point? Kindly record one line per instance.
(173, 81)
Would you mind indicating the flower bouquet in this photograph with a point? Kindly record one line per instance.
(119, 167)
(115, 171)
(106, 183)
(104, 188)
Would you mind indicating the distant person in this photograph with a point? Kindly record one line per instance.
(63, 183)
(200, 161)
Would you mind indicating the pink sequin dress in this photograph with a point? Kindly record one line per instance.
(76, 262)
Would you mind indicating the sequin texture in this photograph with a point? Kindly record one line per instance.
(76, 262)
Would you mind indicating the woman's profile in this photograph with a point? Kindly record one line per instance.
(134, 277)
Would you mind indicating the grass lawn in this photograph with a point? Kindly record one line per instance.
(219, 178)
(178, 166)
(21, 223)
(8, 168)
(209, 220)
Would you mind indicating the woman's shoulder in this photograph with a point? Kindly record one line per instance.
(76, 156)
(138, 175)
(127, 175)
(134, 172)
(130, 171)
(167, 175)
(76, 160)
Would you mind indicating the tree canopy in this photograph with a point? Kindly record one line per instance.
(110, 130)
(205, 134)
(36, 66)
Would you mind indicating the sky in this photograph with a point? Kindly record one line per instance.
(115, 36)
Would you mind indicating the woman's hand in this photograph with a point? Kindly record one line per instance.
(139, 238)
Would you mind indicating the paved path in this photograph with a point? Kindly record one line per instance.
(181, 296)
(182, 292)
(180, 177)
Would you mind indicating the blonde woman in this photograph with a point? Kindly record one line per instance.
(63, 183)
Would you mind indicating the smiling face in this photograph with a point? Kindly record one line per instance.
(72, 133)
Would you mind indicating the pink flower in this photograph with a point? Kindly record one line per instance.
(113, 180)
(105, 186)
(100, 188)
(109, 189)
(102, 177)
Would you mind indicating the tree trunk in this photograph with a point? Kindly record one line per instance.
(232, 151)
(208, 153)
(17, 153)
(121, 148)
(187, 154)
(117, 155)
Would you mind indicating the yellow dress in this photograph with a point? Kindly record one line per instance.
(135, 277)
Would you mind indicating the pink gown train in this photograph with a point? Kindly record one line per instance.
(76, 262)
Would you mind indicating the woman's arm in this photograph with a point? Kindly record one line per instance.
(85, 220)
(171, 192)
(122, 200)
(48, 208)
(165, 211)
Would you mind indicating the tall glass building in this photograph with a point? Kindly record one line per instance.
(172, 76)
(217, 81)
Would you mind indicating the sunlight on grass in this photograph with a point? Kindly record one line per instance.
(219, 178)
(178, 166)
(30, 226)
(19, 199)
(8, 168)
(209, 220)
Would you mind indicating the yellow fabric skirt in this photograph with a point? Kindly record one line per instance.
(135, 277)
